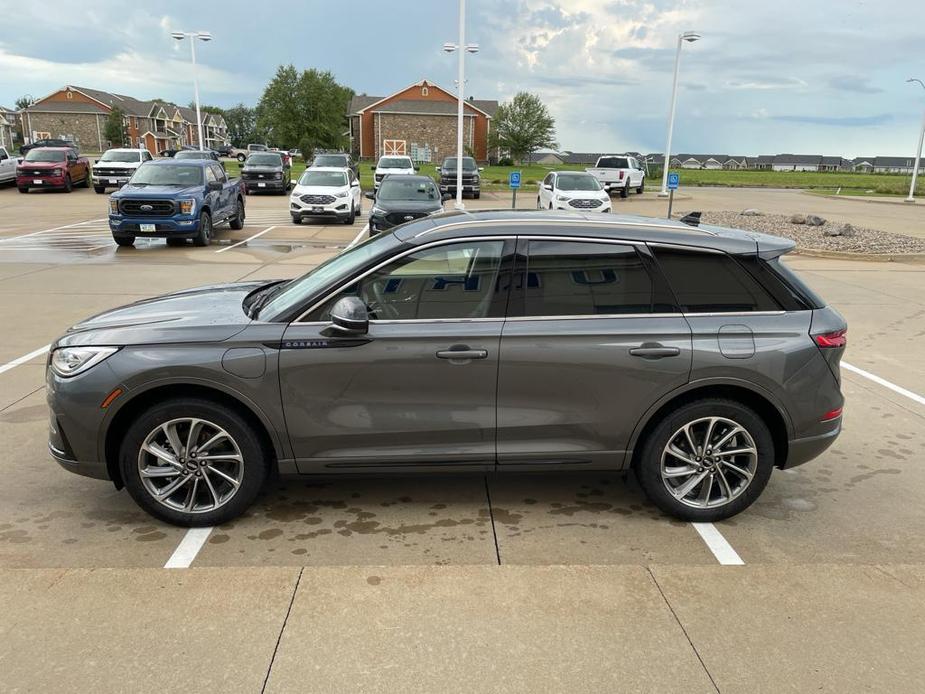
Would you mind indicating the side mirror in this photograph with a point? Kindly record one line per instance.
(416, 167)
(439, 171)
(214, 185)
(355, 184)
(349, 317)
(547, 186)
(95, 161)
(481, 168)
(446, 196)
(369, 195)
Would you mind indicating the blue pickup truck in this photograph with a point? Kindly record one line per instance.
(176, 200)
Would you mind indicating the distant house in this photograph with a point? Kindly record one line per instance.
(898, 165)
(546, 157)
(686, 161)
(735, 162)
(796, 162)
(7, 121)
(831, 164)
(714, 161)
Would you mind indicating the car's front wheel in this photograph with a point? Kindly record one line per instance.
(204, 237)
(237, 222)
(124, 241)
(99, 189)
(192, 462)
(707, 460)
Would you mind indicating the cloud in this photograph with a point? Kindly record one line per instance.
(853, 83)
(766, 82)
(838, 121)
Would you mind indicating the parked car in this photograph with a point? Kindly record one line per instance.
(7, 166)
(225, 150)
(265, 172)
(572, 190)
(176, 200)
(326, 192)
(402, 198)
(336, 159)
(116, 166)
(206, 154)
(471, 181)
(52, 167)
(242, 154)
(287, 158)
(172, 152)
(48, 142)
(619, 173)
(490, 341)
(393, 165)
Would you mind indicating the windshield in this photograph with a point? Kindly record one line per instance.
(264, 160)
(401, 188)
(449, 164)
(45, 155)
(296, 293)
(120, 156)
(165, 175)
(395, 163)
(332, 179)
(577, 181)
(190, 154)
(257, 148)
(330, 160)
(612, 163)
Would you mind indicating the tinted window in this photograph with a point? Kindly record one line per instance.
(612, 163)
(407, 188)
(712, 283)
(453, 281)
(569, 278)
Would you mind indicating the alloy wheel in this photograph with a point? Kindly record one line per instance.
(708, 462)
(190, 465)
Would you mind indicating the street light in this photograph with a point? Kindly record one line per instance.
(690, 37)
(918, 151)
(473, 48)
(202, 36)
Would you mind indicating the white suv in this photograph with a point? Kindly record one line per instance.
(326, 191)
(572, 190)
(116, 166)
(391, 164)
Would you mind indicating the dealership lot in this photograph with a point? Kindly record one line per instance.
(372, 584)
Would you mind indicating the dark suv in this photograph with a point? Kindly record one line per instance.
(471, 178)
(493, 341)
(401, 198)
(266, 172)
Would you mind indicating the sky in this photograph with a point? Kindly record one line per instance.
(789, 76)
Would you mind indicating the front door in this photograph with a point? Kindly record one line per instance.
(419, 390)
(592, 340)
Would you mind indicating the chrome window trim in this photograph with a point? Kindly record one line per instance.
(580, 221)
(414, 249)
(580, 239)
(735, 313)
(682, 247)
(605, 316)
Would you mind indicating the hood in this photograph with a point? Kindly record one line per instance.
(320, 190)
(583, 194)
(117, 164)
(42, 164)
(390, 206)
(146, 191)
(261, 169)
(203, 314)
(386, 172)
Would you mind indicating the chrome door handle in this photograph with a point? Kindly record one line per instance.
(653, 350)
(462, 353)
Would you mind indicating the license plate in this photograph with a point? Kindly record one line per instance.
(317, 210)
(261, 185)
(113, 180)
(37, 181)
(147, 227)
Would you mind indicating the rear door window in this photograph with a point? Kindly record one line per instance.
(711, 282)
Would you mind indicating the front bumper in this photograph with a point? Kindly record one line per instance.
(40, 182)
(339, 208)
(605, 208)
(181, 227)
(379, 224)
(269, 184)
(109, 181)
(467, 188)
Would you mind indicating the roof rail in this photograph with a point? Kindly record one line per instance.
(578, 220)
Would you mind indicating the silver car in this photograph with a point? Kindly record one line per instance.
(482, 342)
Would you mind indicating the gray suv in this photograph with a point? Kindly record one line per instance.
(491, 341)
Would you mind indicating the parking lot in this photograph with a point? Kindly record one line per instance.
(565, 582)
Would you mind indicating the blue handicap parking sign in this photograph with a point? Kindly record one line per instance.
(673, 180)
(514, 179)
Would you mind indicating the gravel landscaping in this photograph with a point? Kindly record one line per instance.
(855, 240)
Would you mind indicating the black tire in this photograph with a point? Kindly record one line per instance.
(237, 222)
(99, 189)
(22, 189)
(625, 190)
(352, 217)
(124, 240)
(476, 195)
(296, 219)
(204, 236)
(86, 182)
(642, 186)
(648, 464)
(68, 184)
(172, 241)
(539, 205)
(255, 463)
(241, 158)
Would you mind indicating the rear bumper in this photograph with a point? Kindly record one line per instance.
(176, 227)
(805, 449)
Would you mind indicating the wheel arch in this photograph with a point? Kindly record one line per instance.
(755, 397)
(119, 421)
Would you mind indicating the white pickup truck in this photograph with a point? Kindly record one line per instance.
(619, 172)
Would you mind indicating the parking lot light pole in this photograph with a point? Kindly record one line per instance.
(690, 37)
(462, 47)
(192, 36)
(918, 151)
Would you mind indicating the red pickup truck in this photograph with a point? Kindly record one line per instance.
(52, 167)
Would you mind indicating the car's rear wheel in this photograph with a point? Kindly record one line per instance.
(642, 186)
(99, 189)
(192, 462)
(204, 237)
(23, 189)
(237, 222)
(706, 460)
(625, 190)
(86, 182)
(124, 240)
(241, 158)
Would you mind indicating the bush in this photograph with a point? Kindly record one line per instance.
(505, 161)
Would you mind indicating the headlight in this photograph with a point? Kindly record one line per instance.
(342, 194)
(278, 174)
(57, 172)
(377, 210)
(563, 198)
(113, 206)
(70, 361)
(476, 179)
(187, 206)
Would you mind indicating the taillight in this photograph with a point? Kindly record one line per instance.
(621, 175)
(831, 414)
(833, 339)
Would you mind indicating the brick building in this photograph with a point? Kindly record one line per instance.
(80, 114)
(419, 121)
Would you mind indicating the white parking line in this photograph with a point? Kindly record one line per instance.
(721, 549)
(188, 548)
(885, 383)
(249, 238)
(46, 231)
(23, 359)
(356, 239)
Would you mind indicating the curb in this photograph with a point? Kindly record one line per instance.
(872, 257)
(857, 198)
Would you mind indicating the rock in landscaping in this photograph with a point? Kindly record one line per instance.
(814, 220)
(798, 219)
(750, 212)
(843, 230)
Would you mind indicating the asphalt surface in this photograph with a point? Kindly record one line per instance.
(560, 582)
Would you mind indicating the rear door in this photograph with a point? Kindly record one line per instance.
(592, 340)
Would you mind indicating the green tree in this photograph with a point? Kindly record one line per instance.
(522, 126)
(114, 130)
(242, 125)
(308, 110)
(23, 102)
(206, 108)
